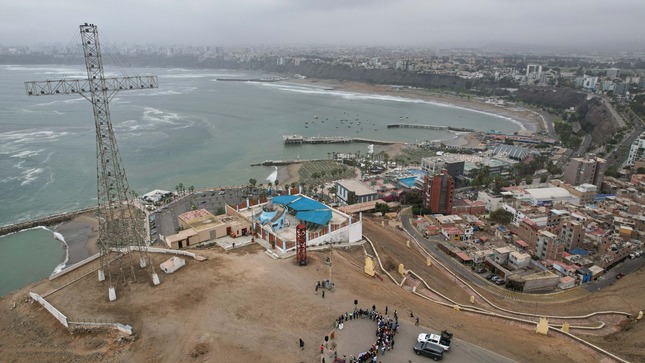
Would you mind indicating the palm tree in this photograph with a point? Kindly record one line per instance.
(191, 189)
(181, 188)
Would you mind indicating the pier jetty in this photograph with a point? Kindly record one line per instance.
(284, 162)
(249, 79)
(299, 139)
(430, 127)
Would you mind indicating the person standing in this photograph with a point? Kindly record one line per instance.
(385, 309)
(417, 321)
(302, 344)
(323, 294)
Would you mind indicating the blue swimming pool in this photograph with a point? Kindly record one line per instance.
(409, 181)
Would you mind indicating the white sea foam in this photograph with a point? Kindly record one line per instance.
(154, 115)
(27, 154)
(62, 265)
(370, 96)
(66, 101)
(30, 175)
(14, 141)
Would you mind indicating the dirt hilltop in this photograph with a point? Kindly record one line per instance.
(245, 306)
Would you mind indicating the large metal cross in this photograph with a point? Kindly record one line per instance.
(120, 228)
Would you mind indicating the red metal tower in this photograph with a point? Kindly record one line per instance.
(301, 244)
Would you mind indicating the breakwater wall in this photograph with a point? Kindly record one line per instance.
(44, 221)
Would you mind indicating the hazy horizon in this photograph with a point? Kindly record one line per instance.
(547, 24)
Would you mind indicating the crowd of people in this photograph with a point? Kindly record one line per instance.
(386, 329)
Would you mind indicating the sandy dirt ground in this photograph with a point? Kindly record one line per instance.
(244, 306)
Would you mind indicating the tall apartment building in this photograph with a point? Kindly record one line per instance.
(572, 234)
(528, 232)
(549, 246)
(589, 169)
(438, 192)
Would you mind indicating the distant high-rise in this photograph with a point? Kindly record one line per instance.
(438, 192)
(589, 169)
(613, 72)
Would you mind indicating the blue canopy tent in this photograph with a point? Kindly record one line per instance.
(307, 210)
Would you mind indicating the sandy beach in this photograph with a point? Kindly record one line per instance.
(527, 118)
(81, 235)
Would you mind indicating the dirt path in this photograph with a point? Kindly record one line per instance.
(244, 306)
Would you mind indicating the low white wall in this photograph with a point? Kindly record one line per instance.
(57, 314)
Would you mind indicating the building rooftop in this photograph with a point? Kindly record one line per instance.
(356, 186)
(548, 193)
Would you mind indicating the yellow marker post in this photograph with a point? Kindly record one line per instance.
(407, 243)
(369, 266)
(401, 269)
(456, 307)
(565, 327)
(542, 326)
(428, 261)
(472, 299)
(640, 315)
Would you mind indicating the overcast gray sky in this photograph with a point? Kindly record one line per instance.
(331, 22)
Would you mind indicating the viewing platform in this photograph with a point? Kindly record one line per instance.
(298, 139)
(430, 127)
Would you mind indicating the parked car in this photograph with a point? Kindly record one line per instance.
(481, 269)
(442, 340)
(498, 280)
(490, 276)
(430, 350)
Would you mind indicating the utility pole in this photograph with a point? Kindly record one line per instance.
(120, 226)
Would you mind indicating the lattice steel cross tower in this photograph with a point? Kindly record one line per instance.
(120, 228)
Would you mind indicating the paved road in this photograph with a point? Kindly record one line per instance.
(358, 335)
(609, 278)
(431, 246)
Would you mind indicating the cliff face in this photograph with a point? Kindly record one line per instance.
(593, 116)
(597, 120)
(551, 97)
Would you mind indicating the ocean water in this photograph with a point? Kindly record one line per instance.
(28, 256)
(193, 129)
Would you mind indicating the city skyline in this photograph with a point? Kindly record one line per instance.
(575, 24)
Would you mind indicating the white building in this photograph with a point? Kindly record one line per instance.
(550, 196)
(352, 191)
(518, 259)
(637, 150)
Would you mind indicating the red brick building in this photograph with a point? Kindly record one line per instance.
(438, 192)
